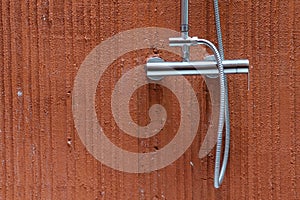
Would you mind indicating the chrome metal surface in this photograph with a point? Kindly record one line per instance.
(179, 41)
(185, 16)
(205, 67)
(185, 29)
(155, 77)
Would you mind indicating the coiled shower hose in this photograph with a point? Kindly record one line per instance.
(224, 107)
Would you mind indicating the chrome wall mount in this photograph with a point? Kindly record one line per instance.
(211, 66)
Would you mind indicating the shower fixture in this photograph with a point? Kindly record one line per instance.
(214, 66)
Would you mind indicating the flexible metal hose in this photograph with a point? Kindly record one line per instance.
(217, 55)
(219, 176)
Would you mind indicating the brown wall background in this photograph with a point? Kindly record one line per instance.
(43, 44)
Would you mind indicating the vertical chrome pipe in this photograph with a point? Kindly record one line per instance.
(184, 18)
(185, 28)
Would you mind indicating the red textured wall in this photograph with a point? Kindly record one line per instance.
(43, 44)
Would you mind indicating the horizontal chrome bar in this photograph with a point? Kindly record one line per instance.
(197, 64)
(180, 41)
(195, 72)
(158, 69)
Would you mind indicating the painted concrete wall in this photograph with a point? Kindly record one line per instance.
(43, 45)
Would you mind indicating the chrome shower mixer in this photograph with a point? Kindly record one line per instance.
(214, 66)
